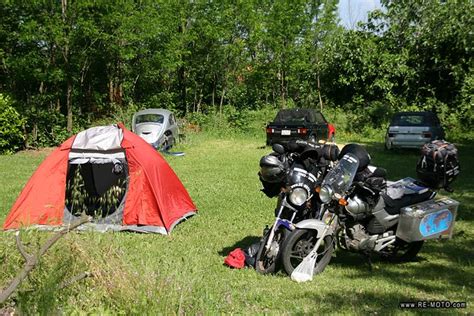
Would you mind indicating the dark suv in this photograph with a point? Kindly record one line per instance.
(305, 124)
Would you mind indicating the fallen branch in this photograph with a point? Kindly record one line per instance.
(76, 278)
(21, 248)
(32, 260)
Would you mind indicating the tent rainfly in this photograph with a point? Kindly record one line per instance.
(110, 174)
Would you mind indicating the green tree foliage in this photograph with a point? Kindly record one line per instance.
(412, 55)
(11, 127)
(67, 64)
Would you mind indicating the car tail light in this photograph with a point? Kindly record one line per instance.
(270, 130)
(427, 134)
(302, 131)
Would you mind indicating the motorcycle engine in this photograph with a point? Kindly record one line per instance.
(357, 239)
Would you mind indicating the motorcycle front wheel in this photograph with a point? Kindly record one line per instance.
(267, 259)
(300, 243)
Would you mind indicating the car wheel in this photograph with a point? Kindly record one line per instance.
(333, 138)
(388, 144)
(166, 144)
(171, 141)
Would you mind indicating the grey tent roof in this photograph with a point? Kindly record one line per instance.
(97, 143)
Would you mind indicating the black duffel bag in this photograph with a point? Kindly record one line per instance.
(438, 165)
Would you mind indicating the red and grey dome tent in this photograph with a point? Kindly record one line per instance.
(107, 172)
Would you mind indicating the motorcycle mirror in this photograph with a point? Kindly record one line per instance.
(278, 148)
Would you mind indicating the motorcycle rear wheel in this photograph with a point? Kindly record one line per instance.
(300, 243)
(404, 251)
(267, 261)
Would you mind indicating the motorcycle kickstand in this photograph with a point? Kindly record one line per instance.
(369, 261)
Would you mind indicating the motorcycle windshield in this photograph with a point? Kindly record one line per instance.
(300, 176)
(341, 176)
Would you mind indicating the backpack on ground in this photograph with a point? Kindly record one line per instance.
(438, 165)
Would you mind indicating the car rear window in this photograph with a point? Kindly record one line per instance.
(299, 116)
(414, 120)
(147, 118)
(319, 118)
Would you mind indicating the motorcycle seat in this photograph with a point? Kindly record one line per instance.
(393, 206)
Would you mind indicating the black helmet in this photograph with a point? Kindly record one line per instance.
(271, 169)
(360, 152)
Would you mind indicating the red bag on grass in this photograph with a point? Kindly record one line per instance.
(235, 259)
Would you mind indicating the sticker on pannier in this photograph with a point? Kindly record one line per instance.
(436, 223)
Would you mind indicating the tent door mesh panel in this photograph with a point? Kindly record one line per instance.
(98, 189)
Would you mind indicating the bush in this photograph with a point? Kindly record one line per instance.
(11, 127)
(233, 121)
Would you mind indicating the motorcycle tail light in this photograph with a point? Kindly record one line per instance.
(302, 131)
(343, 202)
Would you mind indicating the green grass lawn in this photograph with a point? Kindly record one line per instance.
(184, 272)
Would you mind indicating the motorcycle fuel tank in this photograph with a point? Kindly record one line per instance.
(427, 220)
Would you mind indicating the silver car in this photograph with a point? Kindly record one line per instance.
(413, 129)
(158, 127)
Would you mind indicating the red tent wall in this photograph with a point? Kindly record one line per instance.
(155, 195)
(42, 199)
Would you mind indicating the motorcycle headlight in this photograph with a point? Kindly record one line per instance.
(325, 194)
(298, 196)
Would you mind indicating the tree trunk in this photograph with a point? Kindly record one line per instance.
(282, 88)
(120, 93)
(111, 91)
(64, 9)
(182, 73)
(119, 80)
(194, 100)
(199, 101)
(65, 52)
(69, 105)
(214, 91)
(224, 87)
(34, 133)
(222, 99)
(182, 87)
(318, 82)
(319, 94)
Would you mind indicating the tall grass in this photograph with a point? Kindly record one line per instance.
(184, 272)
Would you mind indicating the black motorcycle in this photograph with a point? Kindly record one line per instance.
(291, 173)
